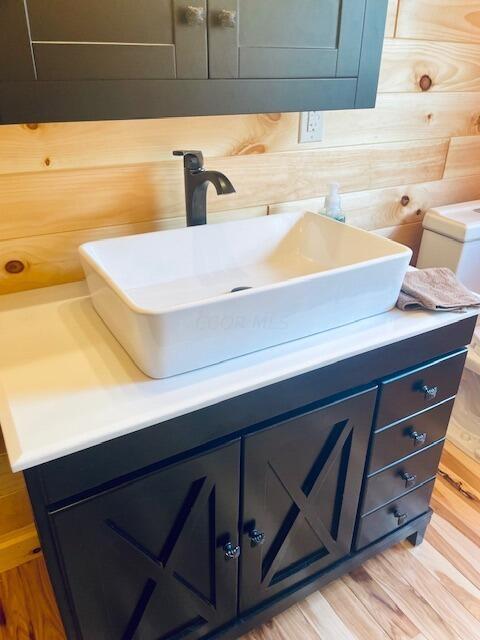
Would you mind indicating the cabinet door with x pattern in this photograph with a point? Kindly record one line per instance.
(156, 559)
(302, 485)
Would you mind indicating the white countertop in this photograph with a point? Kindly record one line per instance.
(66, 384)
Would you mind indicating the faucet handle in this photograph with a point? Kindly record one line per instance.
(192, 160)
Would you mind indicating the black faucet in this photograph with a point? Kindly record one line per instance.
(196, 185)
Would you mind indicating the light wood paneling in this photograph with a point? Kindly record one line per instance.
(34, 204)
(83, 145)
(452, 66)
(463, 157)
(393, 206)
(407, 234)
(9, 482)
(395, 212)
(454, 20)
(404, 116)
(391, 18)
(430, 592)
(54, 257)
(15, 511)
(77, 145)
(66, 183)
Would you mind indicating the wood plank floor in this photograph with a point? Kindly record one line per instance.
(431, 592)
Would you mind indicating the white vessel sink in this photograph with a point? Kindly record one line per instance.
(166, 296)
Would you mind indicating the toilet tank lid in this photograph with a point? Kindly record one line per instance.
(458, 221)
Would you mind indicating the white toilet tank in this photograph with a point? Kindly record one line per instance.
(451, 238)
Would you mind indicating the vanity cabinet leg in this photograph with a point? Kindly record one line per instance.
(417, 538)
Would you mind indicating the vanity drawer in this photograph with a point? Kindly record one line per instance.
(416, 390)
(401, 477)
(410, 435)
(394, 515)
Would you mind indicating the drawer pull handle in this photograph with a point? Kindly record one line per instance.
(257, 538)
(419, 439)
(227, 19)
(430, 392)
(400, 517)
(194, 15)
(410, 479)
(231, 551)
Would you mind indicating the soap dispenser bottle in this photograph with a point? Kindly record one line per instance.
(333, 203)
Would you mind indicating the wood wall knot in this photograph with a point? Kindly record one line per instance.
(14, 266)
(425, 83)
(251, 149)
(273, 117)
(405, 201)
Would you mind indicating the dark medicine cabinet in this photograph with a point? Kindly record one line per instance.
(64, 60)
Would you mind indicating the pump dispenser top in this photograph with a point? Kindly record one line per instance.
(333, 203)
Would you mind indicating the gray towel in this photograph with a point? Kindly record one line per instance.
(436, 290)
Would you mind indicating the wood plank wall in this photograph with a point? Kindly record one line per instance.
(64, 184)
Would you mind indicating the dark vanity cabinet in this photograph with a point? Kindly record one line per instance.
(305, 512)
(111, 59)
(213, 522)
(153, 552)
(161, 554)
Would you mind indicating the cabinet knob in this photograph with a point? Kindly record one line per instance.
(401, 518)
(194, 15)
(419, 439)
(227, 19)
(430, 392)
(410, 479)
(257, 538)
(231, 551)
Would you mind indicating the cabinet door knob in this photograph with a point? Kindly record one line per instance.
(227, 19)
(231, 551)
(419, 439)
(400, 517)
(410, 479)
(194, 15)
(430, 392)
(257, 538)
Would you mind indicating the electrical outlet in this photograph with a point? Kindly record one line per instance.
(311, 126)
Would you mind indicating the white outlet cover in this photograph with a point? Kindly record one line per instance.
(311, 126)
